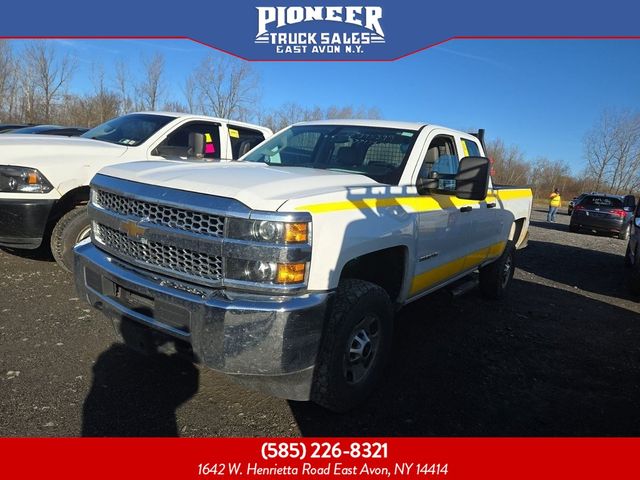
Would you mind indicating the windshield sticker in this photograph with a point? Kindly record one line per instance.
(234, 133)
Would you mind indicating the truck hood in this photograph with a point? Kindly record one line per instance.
(39, 151)
(259, 186)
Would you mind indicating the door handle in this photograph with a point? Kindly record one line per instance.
(491, 205)
(466, 209)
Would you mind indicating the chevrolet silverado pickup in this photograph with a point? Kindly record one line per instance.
(44, 180)
(284, 270)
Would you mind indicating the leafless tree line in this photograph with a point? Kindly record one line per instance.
(612, 151)
(611, 154)
(35, 87)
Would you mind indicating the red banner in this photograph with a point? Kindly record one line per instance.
(180, 459)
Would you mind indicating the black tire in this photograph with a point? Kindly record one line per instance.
(627, 257)
(495, 278)
(344, 377)
(70, 229)
(624, 234)
(574, 228)
(633, 277)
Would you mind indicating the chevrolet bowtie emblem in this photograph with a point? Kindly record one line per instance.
(132, 229)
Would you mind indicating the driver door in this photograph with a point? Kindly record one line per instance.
(441, 236)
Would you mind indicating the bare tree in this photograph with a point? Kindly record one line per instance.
(104, 103)
(292, 112)
(8, 81)
(122, 78)
(49, 73)
(599, 147)
(509, 165)
(612, 150)
(151, 88)
(226, 87)
(190, 94)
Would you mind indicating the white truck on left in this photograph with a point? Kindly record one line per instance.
(44, 180)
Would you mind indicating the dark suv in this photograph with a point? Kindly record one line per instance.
(604, 213)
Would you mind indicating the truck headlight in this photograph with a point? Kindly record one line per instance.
(258, 271)
(22, 179)
(268, 231)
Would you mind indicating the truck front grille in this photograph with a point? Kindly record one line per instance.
(166, 256)
(163, 215)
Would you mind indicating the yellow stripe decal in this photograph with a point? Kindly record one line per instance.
(514, 194)
(439, 274)
(417, 203)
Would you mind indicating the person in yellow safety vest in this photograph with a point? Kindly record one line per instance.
(554, 204)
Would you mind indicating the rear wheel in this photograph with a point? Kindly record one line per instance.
(356, 344)
(574, 228)
(72, 228)
(495, 278)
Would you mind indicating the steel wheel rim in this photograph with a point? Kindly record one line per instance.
(361, 349)
(84, 233)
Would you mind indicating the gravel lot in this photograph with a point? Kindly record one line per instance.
(561, 356)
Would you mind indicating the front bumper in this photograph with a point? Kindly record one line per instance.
(266, 343)
(23, 222)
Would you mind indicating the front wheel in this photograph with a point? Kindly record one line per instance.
(72, 228)
(356, 344)
(495, 278)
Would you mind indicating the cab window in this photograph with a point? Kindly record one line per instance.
(442, 158)
(243, 140)
(469, 148)
(177, 143)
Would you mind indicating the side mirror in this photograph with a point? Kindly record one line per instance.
(472, 179)
(427, 185)
(196, 145)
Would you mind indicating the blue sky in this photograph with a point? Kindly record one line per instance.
(542, 95)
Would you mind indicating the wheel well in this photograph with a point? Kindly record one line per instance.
(516, 231)
(70, 200)
(384, 268)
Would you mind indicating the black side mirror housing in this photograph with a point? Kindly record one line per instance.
(472, 179)
(196, 145)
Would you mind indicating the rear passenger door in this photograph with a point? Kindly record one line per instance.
(482, 220)
(243, 139)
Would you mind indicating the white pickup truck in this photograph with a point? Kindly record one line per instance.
(44, 180)
(284, 269)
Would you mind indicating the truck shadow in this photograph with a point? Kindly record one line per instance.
(562, 227)
(591, 270)
(543, 362)
(42, 254)
(137, 395)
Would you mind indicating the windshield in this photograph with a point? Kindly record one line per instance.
(130, 130)
(378, 153)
